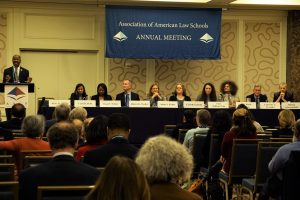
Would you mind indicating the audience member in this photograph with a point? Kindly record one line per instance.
(166, 164)
(101, 94)
(61, 113)
(33, 128)
(179, 95)
(127, 95)
(78, 94)
(118, 128)
(62, 169)
(154, 95)
(203, 119)
(259, 128)
(96, 135)
(79, 126)
(257, 96)
(283, 95)
(243, 128)
(78, 113)
(122, 174)
(221, 123)
(286, 120)
(208, 93)
(228, 93)
(188, 122)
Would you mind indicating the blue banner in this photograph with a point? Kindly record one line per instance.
(143, 32)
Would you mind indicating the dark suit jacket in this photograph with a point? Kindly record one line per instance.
(23, 74)
(96, 97)
(262, 98)
(116, 146)
(289, 96)
(74, 97)
(121, 96)
(61, 170)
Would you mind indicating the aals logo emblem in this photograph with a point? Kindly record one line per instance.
(120, 37)
(16, 94)
(206, 38)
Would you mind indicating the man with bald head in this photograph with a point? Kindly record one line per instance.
(127, 95)
(283, 95)
(16, 73)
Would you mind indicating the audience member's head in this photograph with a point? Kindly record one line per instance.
(203, 117)
(62, 135)
(162, 159)
(118, 124)
(245, 107)
(97, 130)
(78, 113)
(222, 122)
(286, 119)
(85, 126)
(126, 182)
(242, 122)
(18, 110)
(189, 116)
(33, 126)
(297, 131)
(61, 112)
(78, 124)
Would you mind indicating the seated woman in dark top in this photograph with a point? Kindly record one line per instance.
(78, 94)
(101, 94)
(179, 95)
(286, 120)
(208, 93)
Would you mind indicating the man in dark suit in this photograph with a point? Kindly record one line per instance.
(283, 95)
(257, 96)
(16, 73)
(62, 169)
(127, 95)
(118, 132)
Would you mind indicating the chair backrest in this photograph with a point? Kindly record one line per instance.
(262, 135)
(197, 150)
(6, 159)
(181, 135)
(168, 129)
(25, 153)
(31, 161)
(288, 140)
(265, 152)
(243, 158)
(63, 192)
(214, 149)
(9, 190)
(7, 172)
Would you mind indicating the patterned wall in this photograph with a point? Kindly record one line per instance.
(293, 53)
(262, 57)
(3, 44)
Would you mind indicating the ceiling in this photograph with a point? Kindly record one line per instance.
(236, 4)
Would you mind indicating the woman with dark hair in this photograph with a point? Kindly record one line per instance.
(179, 95)
(101, 94)
(78, 94)
(122, 179)
(243, 128)
(154, 95)
(228, 91)
(96, 135)
(208, 93)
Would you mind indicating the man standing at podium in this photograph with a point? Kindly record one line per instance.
(16, 73)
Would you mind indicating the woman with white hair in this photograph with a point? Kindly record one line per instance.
(166, 164)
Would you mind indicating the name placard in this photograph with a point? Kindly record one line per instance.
(167, 104)
(250, 105)
(290, 105)
(139, 104)
(85, 103)
(218, 104)
(193, 104)
(54, 103)
(269, 105)
(110, 104)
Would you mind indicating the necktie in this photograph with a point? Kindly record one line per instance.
(127, 100)
(257, 102)
(16, 74)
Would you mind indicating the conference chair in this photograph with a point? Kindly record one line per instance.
(66, 192)
(181, 135)
(243, 164)
(9, 190)
(168, 129)
(31, 161)
(265, 152)
(6, 159)
(7, 172)
(263, 135)
(197, 151)
(288, 140)
(25, 153)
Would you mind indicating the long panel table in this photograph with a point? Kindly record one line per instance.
(147, 122)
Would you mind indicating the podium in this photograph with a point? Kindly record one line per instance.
(15, 93)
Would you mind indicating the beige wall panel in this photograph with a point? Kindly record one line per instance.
(262, 56)
(59, 27)
(194, 73)
(3, 48)
(132, 69)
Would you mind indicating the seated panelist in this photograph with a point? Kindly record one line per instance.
(179, 95)
(127, 94)
(154, 95)
(78, 94)
(101, 94)
(283, 95)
